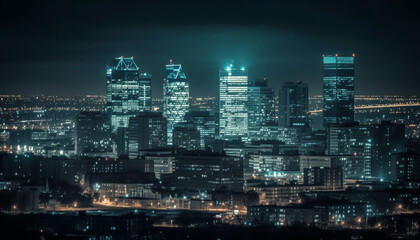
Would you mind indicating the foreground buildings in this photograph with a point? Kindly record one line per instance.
(387, 139)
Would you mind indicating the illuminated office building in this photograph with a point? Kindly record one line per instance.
(123, 91)
(261, 109)
(186, 136)
(206, 125)
(338, 89)
(233, 103)
(293, 105)
(176, 93)
(352, 139)
(145, 94)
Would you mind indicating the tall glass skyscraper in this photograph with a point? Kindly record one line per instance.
(125, 92)
(233, 100)
(293, 105)
(338, 89)
(176, 93)
(145, 92)
(261, 109)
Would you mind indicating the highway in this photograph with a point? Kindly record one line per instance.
(376, 106)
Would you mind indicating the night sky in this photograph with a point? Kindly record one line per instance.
(62, 47)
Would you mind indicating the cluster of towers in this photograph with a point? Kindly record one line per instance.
(247, 109)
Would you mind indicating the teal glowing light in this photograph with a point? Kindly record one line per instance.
(233, 98)
(176, 97)
(243, 69)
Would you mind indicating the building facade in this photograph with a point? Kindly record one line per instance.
(176, 94)
(186, 136)
(233, 103)
(209, 173)
(146, 131)
(206, 125)
(406, 167)
(338, 89)
(145, 94)
(123, 91)
(93, 134)
(352, 139)
(387, 139)
(261, 109)
(293, 105)
(331, 178)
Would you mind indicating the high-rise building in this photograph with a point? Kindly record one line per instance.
(123, 91)
(293, 105)
(233, 103)
(145, 131)
(261, 109)
(176, 93)
(387, 138)
(145, 94)
(338, 89)
(93, 130)
(186, 136)
(352, 139)
(206, 125)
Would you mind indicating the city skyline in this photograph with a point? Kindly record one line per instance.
(207, 120)
(277, 42)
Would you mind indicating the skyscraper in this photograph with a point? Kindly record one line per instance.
(145, 94)
(145, 131)
(352, 139)
(261, 108)
(176, 93)
(293, 105)
(387, 139)
(338, 89)
(233, 100)
(123, 91)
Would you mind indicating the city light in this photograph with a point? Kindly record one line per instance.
(297, 140)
